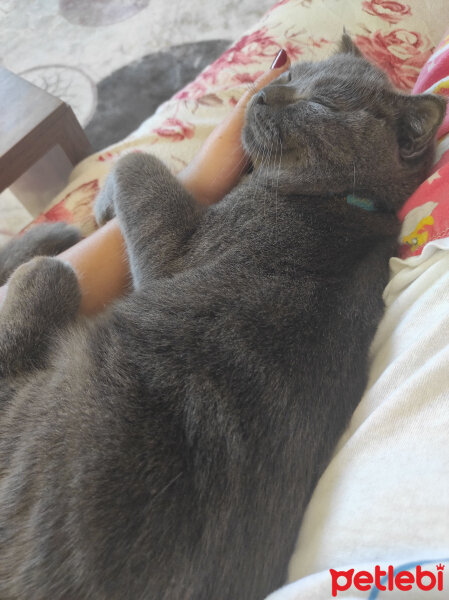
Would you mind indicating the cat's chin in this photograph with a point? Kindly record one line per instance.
(272, 153)
(259, 146)
(251, 143)
(265, 144)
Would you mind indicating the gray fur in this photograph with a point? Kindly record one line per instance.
(167, 449)
(47, 239)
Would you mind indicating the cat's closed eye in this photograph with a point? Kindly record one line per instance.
(324, 102)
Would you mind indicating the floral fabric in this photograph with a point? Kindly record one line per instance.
(425, 215)
(398, 36)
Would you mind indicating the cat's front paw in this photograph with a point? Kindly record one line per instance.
(104, 209)
(139, 170)
(43, 286)
(134, 173)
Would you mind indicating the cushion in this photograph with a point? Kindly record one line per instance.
(398, 36)
(425, 215)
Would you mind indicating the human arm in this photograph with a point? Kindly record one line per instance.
(100, 260)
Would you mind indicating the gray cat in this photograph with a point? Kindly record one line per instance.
(167, 449)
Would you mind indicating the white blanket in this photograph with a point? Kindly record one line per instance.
(384, 498)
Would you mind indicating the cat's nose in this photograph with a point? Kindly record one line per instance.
(261, 98)
(279, 95)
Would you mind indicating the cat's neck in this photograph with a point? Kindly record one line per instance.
(309, 181)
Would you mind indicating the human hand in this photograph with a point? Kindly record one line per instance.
(218, 166)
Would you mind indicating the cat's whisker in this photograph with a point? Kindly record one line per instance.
(262, 172)
(165, 488)
(257, 170)
(271, 160)
(263, 175)
(259, 160)
(263, 178)
(271, 179)
(279, 173)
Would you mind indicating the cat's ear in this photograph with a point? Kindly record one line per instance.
(420, 116)
(347, 46)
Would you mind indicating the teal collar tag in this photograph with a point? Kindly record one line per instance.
(364, 203)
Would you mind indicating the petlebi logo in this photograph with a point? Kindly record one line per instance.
(405, 579)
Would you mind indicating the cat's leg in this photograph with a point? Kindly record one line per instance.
(43, 295)
(47, 239)
(157, 215)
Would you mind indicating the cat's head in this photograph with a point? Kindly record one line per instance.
(341, 121)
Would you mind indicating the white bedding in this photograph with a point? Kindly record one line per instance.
(384, 497)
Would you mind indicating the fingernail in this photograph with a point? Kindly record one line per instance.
(280, 60)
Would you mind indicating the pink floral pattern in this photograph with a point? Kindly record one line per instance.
(106, 156)
(59, 212)
(293, 50)
(308, 30)
(175, 129)
(388, 10)
(278, 4)
(193, 90)
(246, 77)
(74, 208)
(303, 3)
(400, 53)
(258, 47)
(253, 48)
